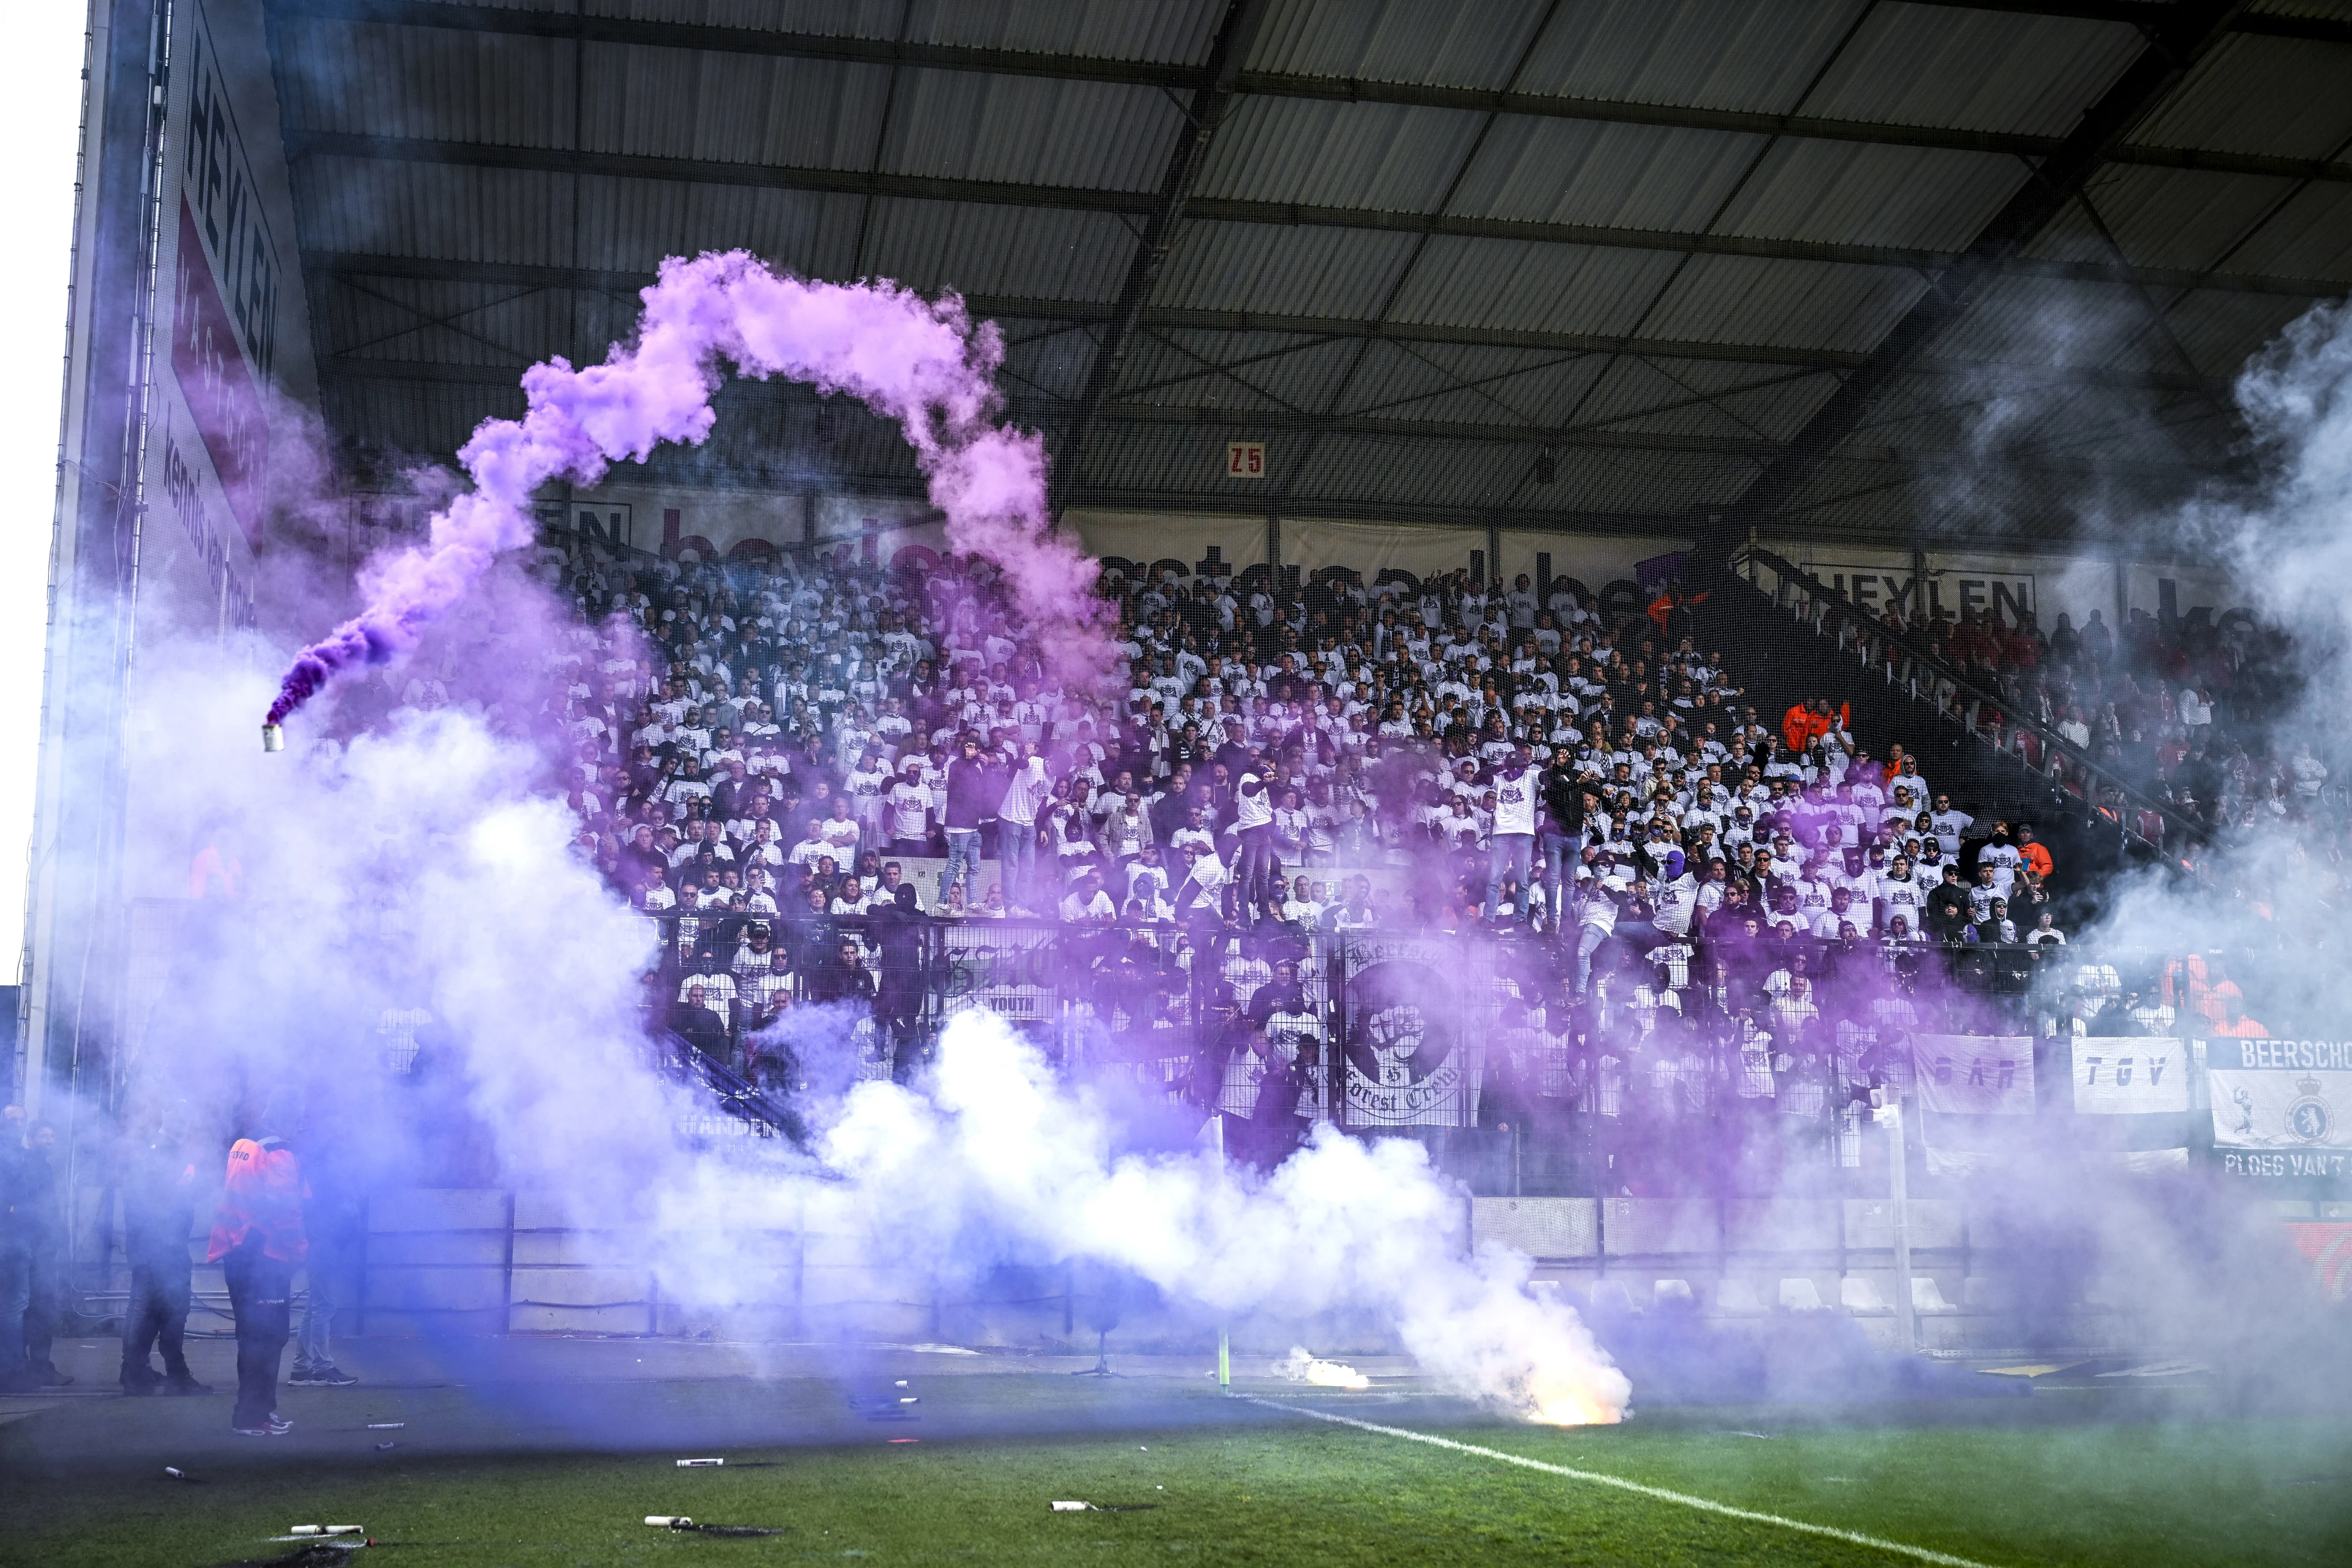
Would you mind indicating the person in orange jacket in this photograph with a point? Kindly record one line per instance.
(259, 1242)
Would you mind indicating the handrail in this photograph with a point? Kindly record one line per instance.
(1946, 673)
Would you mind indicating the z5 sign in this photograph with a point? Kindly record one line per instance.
(1244, 459)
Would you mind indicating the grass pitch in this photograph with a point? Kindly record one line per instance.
(1188, 1476)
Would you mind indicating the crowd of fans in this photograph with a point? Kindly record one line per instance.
(1716, 913)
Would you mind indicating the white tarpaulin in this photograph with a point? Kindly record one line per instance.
(2132, 1076)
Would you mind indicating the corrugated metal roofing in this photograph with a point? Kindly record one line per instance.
(1977, 70)
(1617, 176)
(1399, 40)
(1023, 172)
(1849, 192)
(1712, 54)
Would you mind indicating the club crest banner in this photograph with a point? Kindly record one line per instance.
(1414, 1051)
(2281, 1108)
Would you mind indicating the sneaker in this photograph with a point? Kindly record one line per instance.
(328, 1376)
(253, 1431)
(181, 1383)
(135, 1383)
(278, 1426)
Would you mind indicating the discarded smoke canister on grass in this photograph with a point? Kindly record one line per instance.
(699, 1464)
(177, 1474)
(385, 1426)
(681, 1522)
(326, 1530)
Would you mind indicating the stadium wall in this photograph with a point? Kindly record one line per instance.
(185, 434)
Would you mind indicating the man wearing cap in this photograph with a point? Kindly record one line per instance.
(259, 1242)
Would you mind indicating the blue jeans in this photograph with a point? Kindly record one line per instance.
(1509, 855)
(312, 1342)
(963, 859)
(1559, 853)
(1016, 850)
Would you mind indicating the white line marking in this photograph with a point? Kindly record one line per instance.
(1828, 1531)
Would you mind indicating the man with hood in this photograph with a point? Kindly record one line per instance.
(257, 1240)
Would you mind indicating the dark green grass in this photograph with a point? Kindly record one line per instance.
(2019, 1483)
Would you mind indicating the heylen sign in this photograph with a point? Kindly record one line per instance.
(2008, 596)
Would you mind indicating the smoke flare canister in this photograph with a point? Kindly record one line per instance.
(273, 737)
(327, 1529)
(669, 1521)
(699, 1464)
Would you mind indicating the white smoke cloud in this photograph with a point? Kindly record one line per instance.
(430, 864)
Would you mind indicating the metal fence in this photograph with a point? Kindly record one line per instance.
(1477, 1045)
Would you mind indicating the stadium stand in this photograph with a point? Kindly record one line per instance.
(831, 783)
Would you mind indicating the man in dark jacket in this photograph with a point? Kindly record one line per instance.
(16, 1257)
(40, 1220)
(1559, 838)
(158, 1183)
(970, 804)
(904, 945)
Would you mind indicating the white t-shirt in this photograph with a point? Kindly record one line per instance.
(911, 809)
(1253, 810)
(1515, 802)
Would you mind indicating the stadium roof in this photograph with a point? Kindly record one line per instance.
(1896, 269)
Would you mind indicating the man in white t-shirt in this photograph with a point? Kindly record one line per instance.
(1950, 824)
(1255, 866)
(910, 811)
(1511, 846)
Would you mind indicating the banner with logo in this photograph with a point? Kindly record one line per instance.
(1418, 1015)
(2281, 1108)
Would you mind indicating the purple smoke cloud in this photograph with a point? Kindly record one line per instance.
(921, 362)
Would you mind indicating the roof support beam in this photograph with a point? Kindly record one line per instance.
(2185, 32)
(1177, 77)
(309, 144)
(1081, 313)
(1236, 35)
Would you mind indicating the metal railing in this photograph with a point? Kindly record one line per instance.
(1990, 715)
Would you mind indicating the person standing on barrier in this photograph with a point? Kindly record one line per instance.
(967, 806)
(1560, 839)
(259, 1242)
(1025, 794)
(158, 1212)
(1510, 847)
(1253, 858)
